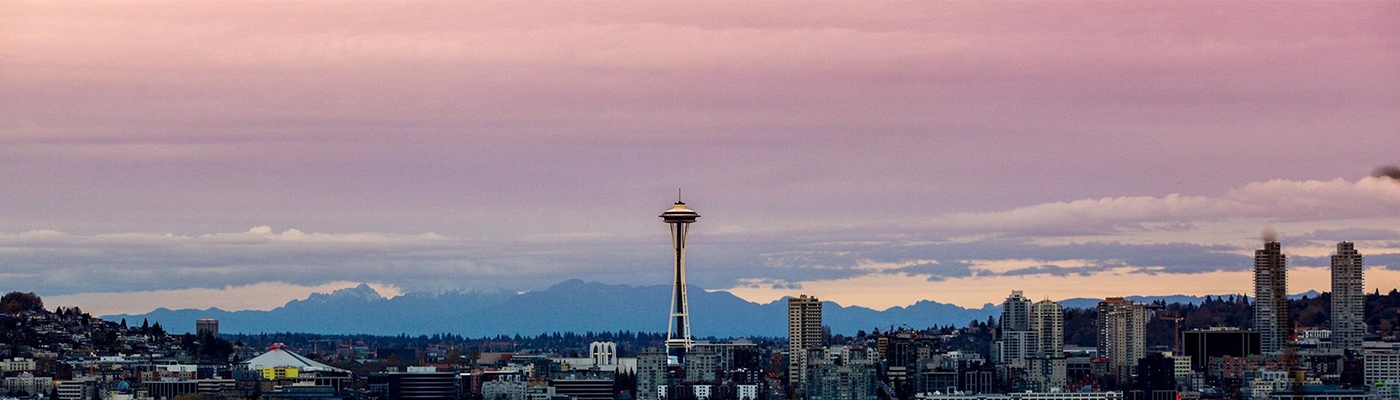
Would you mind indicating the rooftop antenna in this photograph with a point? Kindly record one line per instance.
(678, 195)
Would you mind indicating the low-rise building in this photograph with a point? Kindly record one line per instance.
(17, 364)
(28, 383)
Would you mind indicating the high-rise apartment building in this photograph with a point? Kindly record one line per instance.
(1030, 329)
(804, 333)
(1048, 321)
(651, 373)
(1016, 312)
(1016, 341)
(846, 380)
(1030, 348)
(1122, 335)
(1348, 298)
(1271, 297)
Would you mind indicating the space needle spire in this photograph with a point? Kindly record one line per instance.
(678, 332)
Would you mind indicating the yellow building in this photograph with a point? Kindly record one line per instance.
(274, 373)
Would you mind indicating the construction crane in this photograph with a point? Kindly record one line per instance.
(1176, 336)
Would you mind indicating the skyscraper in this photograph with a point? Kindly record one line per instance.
(1047, 369)
(1017, 341)
(804, 333)
(678, 330)
(1122, 335)
(1030, 350)
(1348, 298)
(1048, 321)
(1271, 297)
(1016, 312)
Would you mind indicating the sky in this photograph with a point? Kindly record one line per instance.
(240, 155)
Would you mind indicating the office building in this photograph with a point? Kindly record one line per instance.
(206, 326)
(1271, 298)
(733, 355)
(831, 376)
(701, 365)
(28, 383)
(18, 364)
(416, 384)
(1381, 367)
(1022, 396)
(651, 373)
(804, 333)
(1348, 298)
(504, 386)
(79, 389)
(1122, 335)
(584, 389)
(170, 389)
(1202, 345)
(1317, 392)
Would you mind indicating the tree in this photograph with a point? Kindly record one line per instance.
(454, 356)
(17, 302)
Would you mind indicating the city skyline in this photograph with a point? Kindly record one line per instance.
(909, 151)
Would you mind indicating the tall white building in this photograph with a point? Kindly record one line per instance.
(1271, 297)
(1348, 298)
(804, 333)
(1016, 312)
(1016, 341)
(1048, 321)
(1016, 346)
(1032, 341)
(1122, 335)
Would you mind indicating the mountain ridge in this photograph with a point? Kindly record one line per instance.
(572, 305)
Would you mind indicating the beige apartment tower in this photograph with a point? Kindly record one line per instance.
(1271, 298)
(1348, 298)
(1122, 335)
(804, 333)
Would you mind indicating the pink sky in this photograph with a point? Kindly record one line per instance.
(513, 145)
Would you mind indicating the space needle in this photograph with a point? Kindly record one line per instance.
(678, 332)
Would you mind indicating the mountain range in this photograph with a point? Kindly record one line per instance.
(570, 306)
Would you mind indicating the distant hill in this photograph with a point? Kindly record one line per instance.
(573, 305)
(570, 306)
(1081, 302)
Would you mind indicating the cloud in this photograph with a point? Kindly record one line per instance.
(1279, 199)
(1349, 234)
(1055, 270)
(57, 262)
